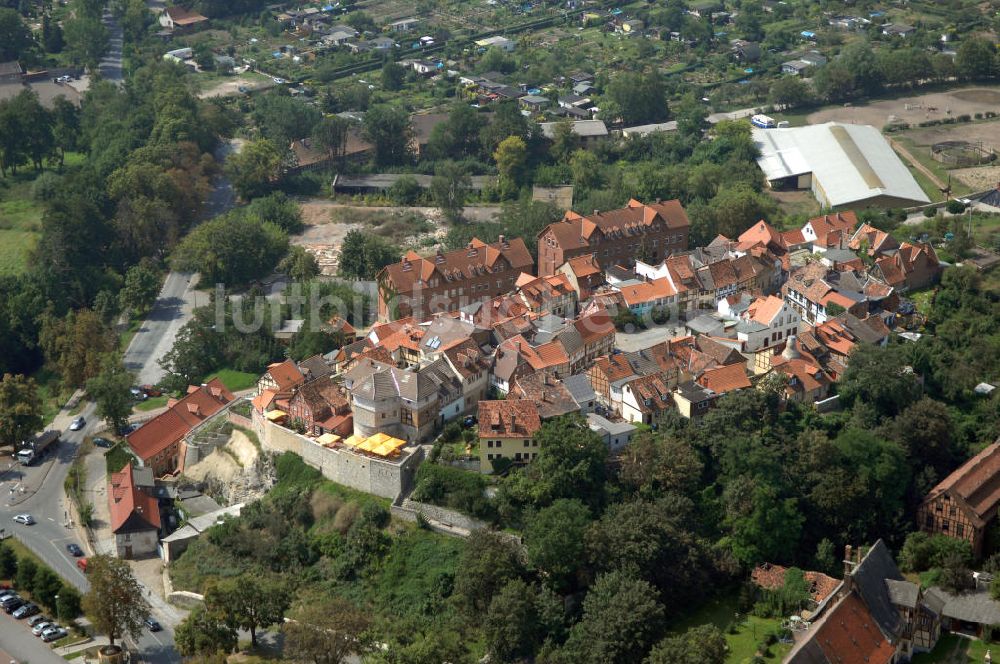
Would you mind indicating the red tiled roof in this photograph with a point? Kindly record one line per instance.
(975, 485)
(725, 379)
(461, 264)
(647, 291)
(510, 418)
(129, 505)
(761, 232)
(584, 266)
(575, 231)
(848, 634)
(380, 331)
(772, 577)
(594, 327)
(764, 309)
(839, 222)
(174, 423)
(286, 374)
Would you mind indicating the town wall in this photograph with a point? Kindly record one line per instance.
(384, 478)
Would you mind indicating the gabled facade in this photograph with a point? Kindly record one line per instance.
(135, 516)
(830, 231)
(766, 323)
(322, 406)
(447, 281)
(912, 267)
(506, 431)
(964, 504)
(281, 377)
(615, 237)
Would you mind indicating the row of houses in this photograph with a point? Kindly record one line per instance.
(474, 331)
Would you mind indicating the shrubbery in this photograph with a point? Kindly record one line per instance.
(453, 488)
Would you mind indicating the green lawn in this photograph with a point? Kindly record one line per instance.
(721, 612)
(235, 381)
(952, 649)
(152, 403)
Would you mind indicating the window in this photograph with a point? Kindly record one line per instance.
(944, 526)
(517, 456)
(959, 530)
(489, 457)
(951, 511)
(525, 443)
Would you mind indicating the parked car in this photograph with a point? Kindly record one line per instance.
(81, 564)
(25, 519)
(6, 592)
(128, 428)
(13, 605)
(153, 625)
(103, 442)
(42, 626)
(151, 390)
(74, 550)
(38, 619)
(78, 423)
(26, 611)
(54, 634)
(138, 394)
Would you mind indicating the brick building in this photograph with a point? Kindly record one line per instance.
(447, 281)
(615, 237)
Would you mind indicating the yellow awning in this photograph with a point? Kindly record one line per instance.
(275, 415)
(328, 439)
(353, 441)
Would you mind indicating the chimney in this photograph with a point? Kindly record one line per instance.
(849, 562)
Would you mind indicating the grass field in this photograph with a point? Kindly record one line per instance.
(21, 216)
(235, 381)
(20, 222)
(952, 649)
(721, 612)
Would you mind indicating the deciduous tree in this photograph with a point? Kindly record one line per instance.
(256, 168)
(115, 603)
(249, 602)
(204, 633)
(704, 644)
(327, 630)
(554, 538)
(449, 188)
(621, 620)
(20, 409)
(110, 389)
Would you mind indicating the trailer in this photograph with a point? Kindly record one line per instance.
(33, 450)
(762, 121)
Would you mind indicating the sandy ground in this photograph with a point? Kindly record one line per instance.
(220, 465)
(979, 178)
(231, 87)
(915, 109)
(323, 237)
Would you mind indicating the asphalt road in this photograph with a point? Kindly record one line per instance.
(156, 336)
(43, 497)
(111, 63)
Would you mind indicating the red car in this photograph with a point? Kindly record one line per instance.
(151, 390)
